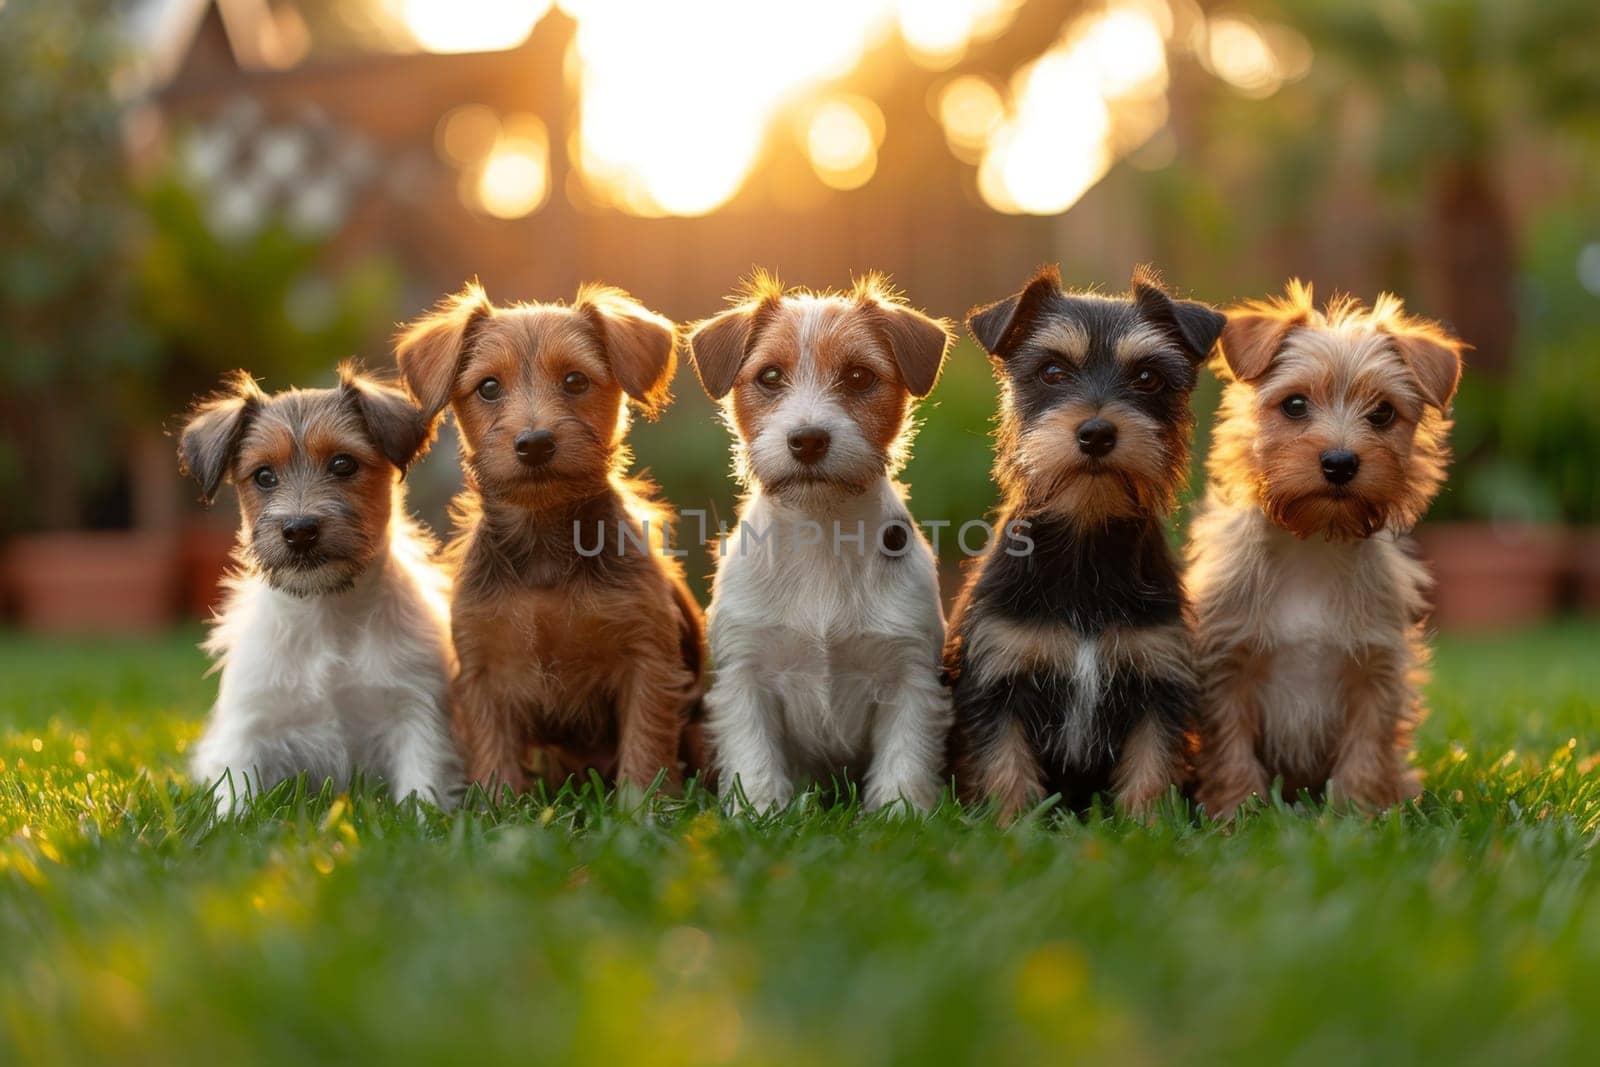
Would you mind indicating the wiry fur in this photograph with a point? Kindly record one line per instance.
(1307, 595)
(827, 656)
(1071, 665)
(337, 661)
(568, 661)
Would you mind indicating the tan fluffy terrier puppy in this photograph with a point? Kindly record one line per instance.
(580, 647)
(1330, 444)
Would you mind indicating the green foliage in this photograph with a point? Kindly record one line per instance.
(266, 300)
(1453, 78)
(949, 472)
(65, 209)
(318, 927)
(1528, 450)
(66, 221)
(1552, 423)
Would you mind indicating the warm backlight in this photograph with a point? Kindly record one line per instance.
(472, 25)
(678, 104)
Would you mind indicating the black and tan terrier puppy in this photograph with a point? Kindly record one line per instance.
(1331, 443)
(570, 658)
(333, 641)
(1069, 656)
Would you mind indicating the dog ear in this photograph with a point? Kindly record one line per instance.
(1253, 338)
(919, 344)
(1434, 356)
(429, 351)
(397, 426)
(1196, 326)
(718, 345)
(995, 326)
(212, 430)
(641, 346)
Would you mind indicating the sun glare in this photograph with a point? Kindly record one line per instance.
(937, 33)
(471, 25)
(677, 103)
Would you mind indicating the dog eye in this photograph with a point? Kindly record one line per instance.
(771, 377)
(265, 478)
(342, 466)
(575, 383)
(859, 379)
(1148, 380)
(1052, 374)
(490, 389)
(1296, 407)
(1382, 415)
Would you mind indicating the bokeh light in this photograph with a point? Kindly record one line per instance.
(842, 139)
(677, 104)
(467, 133)
(937, 33)
(1238, 53)
(515, 178)
(1097, 93)
(969, 108)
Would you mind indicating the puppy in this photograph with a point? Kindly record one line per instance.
(334, 637)
(1069, 658)
(825, 621)
(570, 658)
(1330, 444)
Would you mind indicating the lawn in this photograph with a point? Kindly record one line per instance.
(1464, 930)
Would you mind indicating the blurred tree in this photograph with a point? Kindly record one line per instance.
(1551, 429)
(1441, 96)
(66, 218)
(264, 300)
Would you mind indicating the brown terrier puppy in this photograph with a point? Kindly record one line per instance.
(590, 658)
(1330, 444)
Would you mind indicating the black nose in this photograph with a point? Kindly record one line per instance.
(301, 533)
(1340, 465)
(809, 444)
(1097, 437)
(535, 447)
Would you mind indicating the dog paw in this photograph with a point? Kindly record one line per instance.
(904, 799)
(1222, 806)
(760, 797)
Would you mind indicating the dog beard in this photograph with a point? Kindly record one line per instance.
(1338, 514)
(1100, 492)
(313, 575)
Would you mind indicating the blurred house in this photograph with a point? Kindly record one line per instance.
(371, 140)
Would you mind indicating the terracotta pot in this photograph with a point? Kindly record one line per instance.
(204, 551)
(1586, 568)
(93, 582)
(1493, 577)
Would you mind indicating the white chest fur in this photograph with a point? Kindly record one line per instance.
(826, 649)
(333, 684)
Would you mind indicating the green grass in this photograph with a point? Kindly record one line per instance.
(1465, 929)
